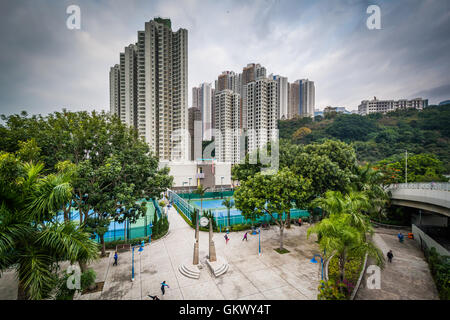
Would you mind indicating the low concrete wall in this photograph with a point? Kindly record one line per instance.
(419, 236)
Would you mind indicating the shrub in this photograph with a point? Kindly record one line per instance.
(64, 293)
(352, 271)
(330, 291)
(440, 271)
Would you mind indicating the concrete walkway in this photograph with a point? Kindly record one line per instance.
(250, 276)
(406, 278)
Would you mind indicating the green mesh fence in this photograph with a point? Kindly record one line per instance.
(238, 219)
(216, 194)
(181, 201)
(141, 228)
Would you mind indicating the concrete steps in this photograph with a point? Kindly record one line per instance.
(223, 269)
(190, 271)
(218, 267)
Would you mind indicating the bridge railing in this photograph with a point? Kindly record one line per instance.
(441, 186)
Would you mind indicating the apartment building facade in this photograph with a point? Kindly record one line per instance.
(153, 88)
(228, 133)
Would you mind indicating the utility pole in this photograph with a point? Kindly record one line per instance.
(406, 167)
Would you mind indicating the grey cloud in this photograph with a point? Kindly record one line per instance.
(45, 66)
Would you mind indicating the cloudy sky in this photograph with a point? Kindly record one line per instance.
(45, 66)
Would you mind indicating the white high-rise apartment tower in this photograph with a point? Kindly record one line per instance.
(227, 126)
(157, 88)
(202, 99)
(114, 89)
(282, 96)
(307, 98)
(262, 105)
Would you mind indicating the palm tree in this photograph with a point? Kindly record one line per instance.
(31, 240)
(370, 181)
(353, 203)
(339, 237)
(228, 203)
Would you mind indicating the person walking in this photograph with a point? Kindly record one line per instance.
(390, 255)
(115, 259)
(226, 239)
(400, 237)
(299, 222)
(164, 284)
(245, 237)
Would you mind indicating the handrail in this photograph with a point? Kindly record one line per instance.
(439, 186)
(361, 274)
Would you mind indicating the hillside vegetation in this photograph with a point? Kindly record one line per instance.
(379, 136)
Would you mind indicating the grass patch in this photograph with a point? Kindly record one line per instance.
(281, 251)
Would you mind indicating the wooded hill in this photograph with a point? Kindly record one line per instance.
(379, 136)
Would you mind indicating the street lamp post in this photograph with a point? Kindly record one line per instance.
(313, 260)
(141, 248)
(406, 166)
(259, 241)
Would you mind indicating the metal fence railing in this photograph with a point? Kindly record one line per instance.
(440, 186)
(222, 221)
(181, 204)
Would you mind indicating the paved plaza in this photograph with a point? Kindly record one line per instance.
(289, 276)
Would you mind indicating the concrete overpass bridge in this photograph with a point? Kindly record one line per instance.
(434, 197)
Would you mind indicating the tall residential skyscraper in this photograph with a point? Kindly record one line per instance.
(262, 112)
(293, 100)
(196, 91)
(250, 73)
(202, 99)
(307, 98)
(227, 124)
(153, 88)
(114, 89)
(301, 99)
(282, 96)
(194, 116)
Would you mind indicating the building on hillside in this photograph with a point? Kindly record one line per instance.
(382, 106)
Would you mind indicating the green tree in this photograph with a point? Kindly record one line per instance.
(370, 181)
(97, 226)
(352, 203)
(28, 151)
(31, 240)
(272, 194)
(421, 168)
(228, 203)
